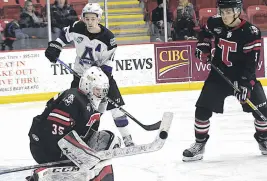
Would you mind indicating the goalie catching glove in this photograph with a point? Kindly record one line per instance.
(104, 140)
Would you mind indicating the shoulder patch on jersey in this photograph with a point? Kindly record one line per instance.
(254, 30)
(113, 41)
(79, 40)
(69, 99)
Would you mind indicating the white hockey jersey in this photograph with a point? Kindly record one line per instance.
(90, 48)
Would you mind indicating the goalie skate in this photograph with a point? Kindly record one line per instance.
(195, 152)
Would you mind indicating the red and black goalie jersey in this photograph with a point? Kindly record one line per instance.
(69, 110)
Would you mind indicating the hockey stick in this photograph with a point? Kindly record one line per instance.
(50, 164)
(84, 157)
(236, 89)
(156, 145)
(151, 127)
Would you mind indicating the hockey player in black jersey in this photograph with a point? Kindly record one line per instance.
(73, 109)
(95, 46)
(237, 51)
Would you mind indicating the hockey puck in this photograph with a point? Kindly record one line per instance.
(163, 135)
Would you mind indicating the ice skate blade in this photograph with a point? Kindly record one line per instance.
(191, 159)
(264, 152)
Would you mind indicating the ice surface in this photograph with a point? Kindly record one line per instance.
(232, 154)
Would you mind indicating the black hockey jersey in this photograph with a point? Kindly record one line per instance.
(237, 50)
(69, 110)
(91, 48)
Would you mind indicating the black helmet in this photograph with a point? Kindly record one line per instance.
(229, 4)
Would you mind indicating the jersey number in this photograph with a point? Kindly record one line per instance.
(95, 117)
(227, 47)
(57, 130)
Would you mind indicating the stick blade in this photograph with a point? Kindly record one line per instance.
(167, 115)
(156, 145)
(163, 130)
(165, 125)
(152, 127)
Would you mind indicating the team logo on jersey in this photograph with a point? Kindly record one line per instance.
(79, 40)
(94, 118)
(254, 30)
(69, 100)
(218, 30)
(229, 34)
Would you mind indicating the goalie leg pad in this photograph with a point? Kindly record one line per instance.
(100, 172)
(78, 151)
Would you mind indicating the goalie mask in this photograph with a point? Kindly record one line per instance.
(95, 84)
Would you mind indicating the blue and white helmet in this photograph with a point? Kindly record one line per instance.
(92, 8)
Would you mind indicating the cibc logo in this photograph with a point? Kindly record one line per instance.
(172, 63)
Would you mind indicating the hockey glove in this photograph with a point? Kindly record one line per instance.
(245, 88)
(203, 51)
(53, 51)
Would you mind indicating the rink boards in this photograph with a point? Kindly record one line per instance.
(146, 68)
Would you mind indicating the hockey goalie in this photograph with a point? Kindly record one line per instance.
(83, 166)
(74, 109)
(90, 159)
(67, 131)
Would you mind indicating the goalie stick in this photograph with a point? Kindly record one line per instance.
(151, 127)
(86, 158)
(156, 145)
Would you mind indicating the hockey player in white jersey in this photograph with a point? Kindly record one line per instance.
(95, 46)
